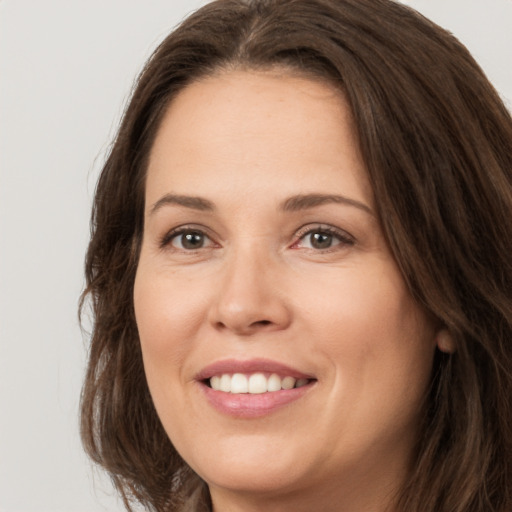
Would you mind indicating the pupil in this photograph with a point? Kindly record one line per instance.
(192, 240)
(321, 240)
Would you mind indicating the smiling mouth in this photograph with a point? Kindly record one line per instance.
(253, 388)
(254, 383)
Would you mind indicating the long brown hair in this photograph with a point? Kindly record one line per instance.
(437, 143)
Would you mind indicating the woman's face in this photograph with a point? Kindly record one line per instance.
(263, 266)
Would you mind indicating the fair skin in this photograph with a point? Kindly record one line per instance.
(280, 267)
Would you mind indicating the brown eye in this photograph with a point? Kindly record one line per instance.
(321, 240)
(189, 240)
(324, 238)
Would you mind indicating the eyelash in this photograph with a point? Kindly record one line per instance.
(168, 238)
(344, 238)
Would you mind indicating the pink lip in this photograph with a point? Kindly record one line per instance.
(248, 405)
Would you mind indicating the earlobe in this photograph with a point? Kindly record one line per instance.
(445, 342)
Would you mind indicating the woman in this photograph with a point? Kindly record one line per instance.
(300, 269)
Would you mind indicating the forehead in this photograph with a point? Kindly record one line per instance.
(253, 128)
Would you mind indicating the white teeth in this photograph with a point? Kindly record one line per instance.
(256, 383)
(239, 383)
(225, 383)
(274, 383)
(215, 382)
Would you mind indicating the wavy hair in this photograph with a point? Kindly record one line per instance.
(437, 143)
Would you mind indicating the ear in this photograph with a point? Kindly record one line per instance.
(445, 342)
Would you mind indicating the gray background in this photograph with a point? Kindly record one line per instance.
(66, 70)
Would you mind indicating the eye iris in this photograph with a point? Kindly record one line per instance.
(192, 240)
(321, 240)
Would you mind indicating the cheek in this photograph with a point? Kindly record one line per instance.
(359, 304)
(379, 346)
(167, 320)
(369, 327)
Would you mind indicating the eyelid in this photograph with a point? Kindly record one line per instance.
(165, 241)
(344, 236)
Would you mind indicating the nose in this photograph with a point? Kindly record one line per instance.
(250, 297)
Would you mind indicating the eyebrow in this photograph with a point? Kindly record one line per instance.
(306, 201)
(194, 203)
(292, 204)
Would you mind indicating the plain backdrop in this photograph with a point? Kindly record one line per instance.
(66, 70)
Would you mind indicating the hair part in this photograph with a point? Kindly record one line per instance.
(437, 143)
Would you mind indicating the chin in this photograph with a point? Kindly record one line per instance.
(261, 480)
(259, 469)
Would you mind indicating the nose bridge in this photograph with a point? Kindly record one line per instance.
(249, 297)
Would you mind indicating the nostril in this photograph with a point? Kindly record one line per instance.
(262, 322)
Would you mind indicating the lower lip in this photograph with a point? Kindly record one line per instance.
(248, 405)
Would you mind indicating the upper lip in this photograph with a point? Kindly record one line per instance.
(232, 366)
